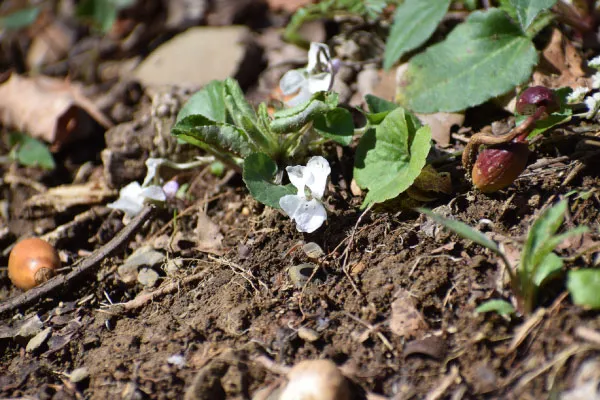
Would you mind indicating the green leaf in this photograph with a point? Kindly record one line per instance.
(258, 174)
(379, 105)
(551, 264)
(293, 119)
(389, 158)
(527, 10)
(484, 57)
(209, 102)
(31, 152)
(203, 132)
(20, 19)
(501, 307)
(549, 245)
(102, 12)
(378, 109)
(337, 125)
(245, 117)
(414, 22)
(540, 232)
(584, 287)
(464, 230)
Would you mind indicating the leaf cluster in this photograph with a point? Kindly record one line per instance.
(219, 120)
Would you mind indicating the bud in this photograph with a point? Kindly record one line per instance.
(498, 167)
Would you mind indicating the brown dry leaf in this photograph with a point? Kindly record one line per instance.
(208, 235)
(61, 198)
(441, 124)
(50, 44)
(406, 320)
(560, 64)
(50, 109)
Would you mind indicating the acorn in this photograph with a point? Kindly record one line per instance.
(32, 262)
(498, 167)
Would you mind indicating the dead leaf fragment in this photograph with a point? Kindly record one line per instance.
(406, 320)
(208, 235)
(441, 124)
(63, 197)
(560, 65)
(50, 109)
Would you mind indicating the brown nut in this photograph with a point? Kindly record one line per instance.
(498, 167)
(32, 262)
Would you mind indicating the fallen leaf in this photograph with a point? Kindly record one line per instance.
(406, 320)
(63, 197)
(208, 235)
(441, 125)
(50, 109)
(560, 65)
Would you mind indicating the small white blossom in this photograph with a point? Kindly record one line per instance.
(306, 208)
(316, 77)
(577, 95)
(593, 104)
(596, 80)
(594, 63)
(132, 197)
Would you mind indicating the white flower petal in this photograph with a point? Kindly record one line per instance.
(318, 55)
(577, 95)
(152, 164)
(298, 178)
(302, 97)
(320, 82)
(129, 207)
(596, 80)
(317, 171)
(290, 204)
(310, 216)
(292, 82)
(594, 62)
(130, 199)
(154, 193)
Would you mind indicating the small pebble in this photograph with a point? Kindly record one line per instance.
(147, 277)
(38, 340)
(79, 375)
(308, 334)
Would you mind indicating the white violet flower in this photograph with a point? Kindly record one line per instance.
(306, 208)
(594, 63)
(596, 80)
(132, 197)
(593, 104)
(316, 77)
(577, 95)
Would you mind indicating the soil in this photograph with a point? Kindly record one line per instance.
(236, 316)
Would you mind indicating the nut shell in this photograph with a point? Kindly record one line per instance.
(32, 262)
(497, 168)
